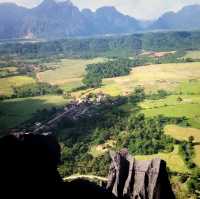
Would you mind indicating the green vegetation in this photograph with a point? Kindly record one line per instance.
(173, 159)
(155, 77)
(195, 54)
(7, 84)
(8, 71)
(92, 81)
(191, 87)
(110, 46)
(153, 110)
(145, 136)
(39, 89)
(182, 133)
(194, 183)
(14, 112)
(196, 158)
(171, 106)
(67, 73)
(96, 72)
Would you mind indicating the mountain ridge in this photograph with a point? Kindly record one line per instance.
(55, 20)
(185, 19)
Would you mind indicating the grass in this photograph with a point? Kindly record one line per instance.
(16, 111)
(153, 78)
(68, 72)
(171, 107)
(195, 54)
(196, 158)
(180, 189)
(189, 87)
(6, 84)
(10, 69)
(182, 133)
(173, 159)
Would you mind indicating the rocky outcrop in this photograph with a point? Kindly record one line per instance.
(132, 179)
(28, 164)
(28, 169)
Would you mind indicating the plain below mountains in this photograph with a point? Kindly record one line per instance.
(51, 20)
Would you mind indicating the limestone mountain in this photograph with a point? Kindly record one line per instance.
(186, 19)
(52, 20)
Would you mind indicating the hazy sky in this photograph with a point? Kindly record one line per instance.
(142, 9)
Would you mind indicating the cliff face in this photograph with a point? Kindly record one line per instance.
(132, 179)
(28, 163)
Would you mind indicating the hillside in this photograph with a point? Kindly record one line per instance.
(138, 92)
(113, 46)
(185, 19)
(40, 21)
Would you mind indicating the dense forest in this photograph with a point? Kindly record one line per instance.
(96, 72)
(110, 46)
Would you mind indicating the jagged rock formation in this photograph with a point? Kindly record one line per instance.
(28, 164)
(28, 169)
(132, 179)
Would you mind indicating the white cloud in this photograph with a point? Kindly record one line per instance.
(142, 9)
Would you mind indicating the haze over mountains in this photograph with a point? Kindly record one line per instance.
(51, 20)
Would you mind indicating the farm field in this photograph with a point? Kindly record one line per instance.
(16, 111)
(195, 54)
(173, 159)
(68, 72)
(196, 158)
(10, 69)
(181, 133)
(171, 106)
(169, 77)
(157, 54)
(190, 87)
(7, 83)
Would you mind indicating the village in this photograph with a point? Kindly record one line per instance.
(84, 107)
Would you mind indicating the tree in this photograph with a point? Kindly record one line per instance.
(179, 99)
(92, 81)
(191, 139)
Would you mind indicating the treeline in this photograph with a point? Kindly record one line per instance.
(37, 89)
(96, 72)
(110, 46)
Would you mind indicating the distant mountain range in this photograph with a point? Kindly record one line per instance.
(186, 19)
(51, 20)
